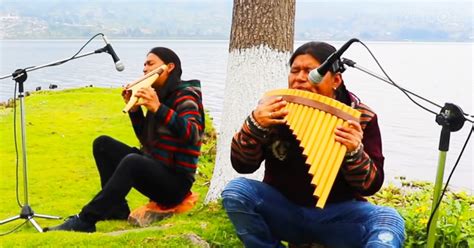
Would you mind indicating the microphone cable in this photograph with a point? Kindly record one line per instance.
(14, 229)
(397, 86)
(16, 166)
(79, 51)
(403, 90)
(407, 92)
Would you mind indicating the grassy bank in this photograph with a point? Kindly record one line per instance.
(62, 175)
(62, 178)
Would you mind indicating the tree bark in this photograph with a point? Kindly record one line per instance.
(260, 46)
(269, 22)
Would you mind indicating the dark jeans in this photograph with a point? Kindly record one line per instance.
(122, 168)
(263, 217)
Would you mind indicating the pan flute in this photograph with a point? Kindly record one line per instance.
(313, 119)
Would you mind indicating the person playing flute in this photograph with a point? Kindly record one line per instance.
(170, 133)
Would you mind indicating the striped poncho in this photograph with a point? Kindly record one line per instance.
(173, 135)
(285, 167)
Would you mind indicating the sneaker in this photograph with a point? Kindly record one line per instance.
(72, 223)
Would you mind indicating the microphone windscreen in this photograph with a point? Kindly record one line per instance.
(314, 76)
(119, 66)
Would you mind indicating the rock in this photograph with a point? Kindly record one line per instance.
(197, 241)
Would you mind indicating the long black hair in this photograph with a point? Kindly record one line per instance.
(174, 79)
(321, 51)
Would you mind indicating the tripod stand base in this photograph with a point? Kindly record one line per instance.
(28, 214)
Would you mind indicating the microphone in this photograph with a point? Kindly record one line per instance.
(108, 49)
(316, 76)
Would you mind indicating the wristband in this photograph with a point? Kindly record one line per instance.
(255, 123)
(354, 155)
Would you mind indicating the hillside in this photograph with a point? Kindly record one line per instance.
(204, 19)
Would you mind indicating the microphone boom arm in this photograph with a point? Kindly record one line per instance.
(62, 61)
(55, 63)
(353, 64)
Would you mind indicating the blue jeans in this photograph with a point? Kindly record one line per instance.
(263, 217)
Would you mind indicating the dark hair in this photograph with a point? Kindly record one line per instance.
(168, 56)
(318, 50)
(174, 78)
(321, 51)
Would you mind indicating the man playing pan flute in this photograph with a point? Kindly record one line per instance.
(282, 207)
(170, 134)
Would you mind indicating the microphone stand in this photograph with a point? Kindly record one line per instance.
(20, 76)
(451, 119)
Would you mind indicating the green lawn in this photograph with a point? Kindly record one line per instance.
(61, 126)
(62, 175)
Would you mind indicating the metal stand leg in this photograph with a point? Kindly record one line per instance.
(28, 214)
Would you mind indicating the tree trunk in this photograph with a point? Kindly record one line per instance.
(261, 42)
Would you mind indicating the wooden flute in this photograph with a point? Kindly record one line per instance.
(143, 82)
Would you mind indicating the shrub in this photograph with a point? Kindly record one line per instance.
(413, 201)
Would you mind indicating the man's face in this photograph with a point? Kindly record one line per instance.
(152, 62)
(298, 77)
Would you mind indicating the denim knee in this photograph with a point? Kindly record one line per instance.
(238, 192)
(387, 228)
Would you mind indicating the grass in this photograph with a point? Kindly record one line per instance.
(62, 178)
(62, 175)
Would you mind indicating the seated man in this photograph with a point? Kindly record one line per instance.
(170, 134)
(282, 207)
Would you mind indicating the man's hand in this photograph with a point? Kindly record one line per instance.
(126, 95)
(350, 136)
(270, 111)
(148, 98)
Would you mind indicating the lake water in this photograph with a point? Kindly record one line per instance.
(441, 72)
